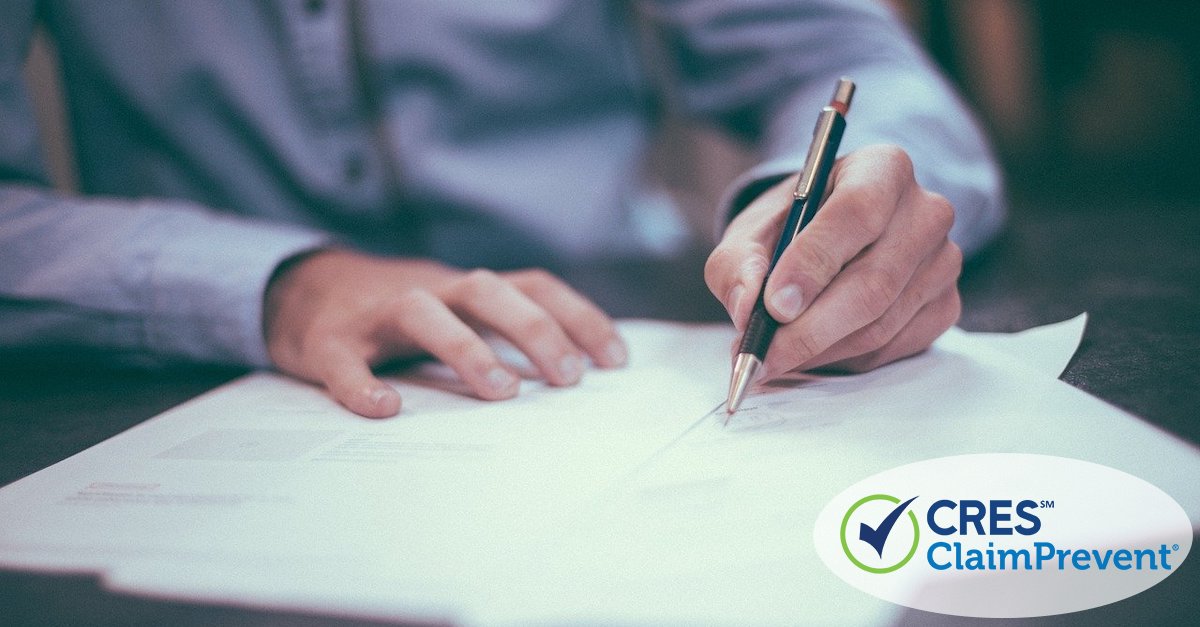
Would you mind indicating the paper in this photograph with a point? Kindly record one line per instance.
(718, 527)
(622, 500)
(1047, 349)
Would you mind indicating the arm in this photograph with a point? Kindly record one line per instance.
(763, 69)
(146, 279)
(156, 279)
(142, 280)
(873, 277)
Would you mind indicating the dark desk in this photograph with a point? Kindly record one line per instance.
(1138, 278)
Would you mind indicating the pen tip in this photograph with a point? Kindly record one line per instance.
(745, 367)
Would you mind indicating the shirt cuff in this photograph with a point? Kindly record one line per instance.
(948, 151)
(206, 292)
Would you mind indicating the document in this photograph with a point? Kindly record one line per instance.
(623, 500)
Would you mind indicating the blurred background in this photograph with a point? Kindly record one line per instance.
(1085, 100)
(1093, 108)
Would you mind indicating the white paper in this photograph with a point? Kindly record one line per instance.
(622, 500)
(1047, 348)
(718, 528)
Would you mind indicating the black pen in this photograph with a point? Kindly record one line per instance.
(806, 199)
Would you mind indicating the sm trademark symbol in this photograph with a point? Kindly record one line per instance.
(1046, 505)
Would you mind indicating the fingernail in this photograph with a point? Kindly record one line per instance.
(615, 353)
(736, 295)
(383, 401)
(378, 394)
(570, 368)
(501, 380)
(786, 302)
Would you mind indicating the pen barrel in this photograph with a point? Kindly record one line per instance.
(797, 217)
(824, 165)
(806, 199)
(827, 136)
(810, 191)
(760, 329)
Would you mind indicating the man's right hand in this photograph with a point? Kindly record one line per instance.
(331, 315)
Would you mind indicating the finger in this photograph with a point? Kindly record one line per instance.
(933, 320)
(349, 380)
(734, 273)
(735, 270)
(422, 318)
(866, 189)
(868, 286)
(584, 322)
(495, 303)
(936, 275)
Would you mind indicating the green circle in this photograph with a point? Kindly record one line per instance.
(846, 546)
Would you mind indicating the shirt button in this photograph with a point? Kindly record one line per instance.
(354, 166)
(314, 7)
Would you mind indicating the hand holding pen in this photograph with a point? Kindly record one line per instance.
(806, 200)
(869, 280)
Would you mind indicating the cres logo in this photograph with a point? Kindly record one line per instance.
(1003, 535)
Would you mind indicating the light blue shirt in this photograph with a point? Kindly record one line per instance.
(217, 138)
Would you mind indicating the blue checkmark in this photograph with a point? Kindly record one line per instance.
(877, 536)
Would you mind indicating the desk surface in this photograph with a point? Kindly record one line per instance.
(1138, 279)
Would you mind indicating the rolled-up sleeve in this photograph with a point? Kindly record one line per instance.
(763, 69)
(150, 279)
(147, 279)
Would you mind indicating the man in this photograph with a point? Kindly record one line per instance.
(300, 183)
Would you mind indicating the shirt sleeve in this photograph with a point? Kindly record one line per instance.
(147, 279)
(763, 69)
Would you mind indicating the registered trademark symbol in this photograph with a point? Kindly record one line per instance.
(1174, 547)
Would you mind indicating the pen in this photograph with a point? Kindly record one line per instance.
(806, 199)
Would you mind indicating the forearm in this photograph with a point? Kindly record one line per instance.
(152, 278)
(763, 69)
(904, 105)
(164, 279)
(906, 108)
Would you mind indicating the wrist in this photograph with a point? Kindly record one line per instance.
(281, 282)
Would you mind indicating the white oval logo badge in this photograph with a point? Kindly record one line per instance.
(1003, 535)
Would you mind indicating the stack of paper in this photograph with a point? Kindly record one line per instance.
(622, 500)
